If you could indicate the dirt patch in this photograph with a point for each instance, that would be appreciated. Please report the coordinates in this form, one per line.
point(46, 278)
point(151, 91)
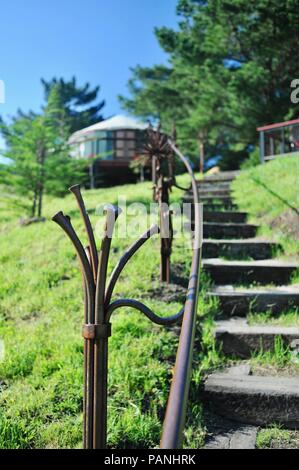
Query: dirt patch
point(290, 370)
point(168, 292)
point(175, 291)
point(288, 223)
point(180, 275)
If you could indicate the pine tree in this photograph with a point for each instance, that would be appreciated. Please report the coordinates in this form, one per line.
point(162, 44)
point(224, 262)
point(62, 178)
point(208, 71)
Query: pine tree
point(39, 154)
point(78, 102)
point(231, 63)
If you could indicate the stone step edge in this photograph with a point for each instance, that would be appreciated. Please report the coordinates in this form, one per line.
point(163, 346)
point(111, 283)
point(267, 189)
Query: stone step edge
point(242, 241)
point(239, 326)
point(222, 291)
point(238, 339)
point(268, 263)
point(228, 213)
point(214, 192)
point(234, 303)
point(254, 384)
point(230, 224)
point(252, 399)
point(208, 196)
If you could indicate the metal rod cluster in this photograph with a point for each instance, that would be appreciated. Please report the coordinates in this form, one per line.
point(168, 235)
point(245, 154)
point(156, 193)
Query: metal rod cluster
point(162, 162)
point(98, 308)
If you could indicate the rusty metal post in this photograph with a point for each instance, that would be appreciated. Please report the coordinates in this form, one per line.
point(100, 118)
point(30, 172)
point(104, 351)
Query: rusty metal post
point(89, 319)
point(103, 333)
point(175, 416)
point(166, 230)
point(98, 309)
point(162, 175)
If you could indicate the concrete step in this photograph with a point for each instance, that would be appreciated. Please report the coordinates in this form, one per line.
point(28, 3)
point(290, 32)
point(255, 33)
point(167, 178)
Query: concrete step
point(208, 198)
point(214, 185)
point(219, 207)
point(238, 339)
point(251, 399)
point(239, 302)
point(188, 207)
point(214, 192)
point(228, 230)
point(225, 217)
point(248, 272)
point(238, 249)
point(221, 176)
point(225, 434)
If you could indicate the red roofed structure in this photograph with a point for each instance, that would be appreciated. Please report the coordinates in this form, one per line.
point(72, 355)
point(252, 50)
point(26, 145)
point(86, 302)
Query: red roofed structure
point(278, 139)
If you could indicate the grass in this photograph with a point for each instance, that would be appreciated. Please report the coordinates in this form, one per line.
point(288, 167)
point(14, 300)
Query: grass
point(41, 317)
point(40, 323)
point(275, 437)
point(280, 356)
point(269, 193)
point(289, 317)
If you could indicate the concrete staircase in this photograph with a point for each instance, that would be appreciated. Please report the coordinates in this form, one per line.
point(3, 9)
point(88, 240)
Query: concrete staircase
point(256, 400)
point(241, 267)
point(238, 302)
point(238, 249)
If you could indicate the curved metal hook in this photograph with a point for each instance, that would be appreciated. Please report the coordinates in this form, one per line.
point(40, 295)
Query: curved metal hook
point(143, 309)
point(76, 190)
point(154, 229)
point(197, 241)
point(188, 168)
point(180, 187)
point(65, 223)
point(112, 213)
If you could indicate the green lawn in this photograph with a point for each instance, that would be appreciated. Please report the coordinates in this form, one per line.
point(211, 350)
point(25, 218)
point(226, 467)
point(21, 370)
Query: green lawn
point(41, 316)
point(269, 193)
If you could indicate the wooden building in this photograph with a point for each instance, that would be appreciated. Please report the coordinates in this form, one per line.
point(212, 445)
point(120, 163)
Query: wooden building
point(279, 139)
point(110, 145)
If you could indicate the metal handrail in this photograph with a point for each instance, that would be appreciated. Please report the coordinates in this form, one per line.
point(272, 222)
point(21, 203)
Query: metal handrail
point(174, 422)
point(98, 308)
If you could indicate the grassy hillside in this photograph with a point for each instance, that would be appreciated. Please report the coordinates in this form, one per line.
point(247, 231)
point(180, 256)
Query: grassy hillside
point(269, 193)
point(40, 322)
point(41, 316)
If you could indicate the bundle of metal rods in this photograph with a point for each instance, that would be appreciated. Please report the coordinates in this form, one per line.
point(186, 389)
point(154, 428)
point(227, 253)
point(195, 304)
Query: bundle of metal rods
point(98, 308)
point(162, 163)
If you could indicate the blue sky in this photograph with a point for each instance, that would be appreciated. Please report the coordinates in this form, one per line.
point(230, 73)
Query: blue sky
point(95, 40)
